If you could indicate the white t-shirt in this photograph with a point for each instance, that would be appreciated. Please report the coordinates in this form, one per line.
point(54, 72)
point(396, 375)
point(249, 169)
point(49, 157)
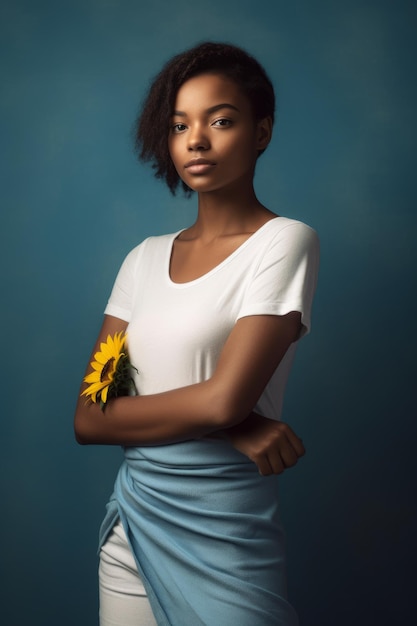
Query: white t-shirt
point(176, 331)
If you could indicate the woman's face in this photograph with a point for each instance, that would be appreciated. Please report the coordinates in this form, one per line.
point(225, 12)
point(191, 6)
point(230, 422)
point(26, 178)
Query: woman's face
point(214, 140)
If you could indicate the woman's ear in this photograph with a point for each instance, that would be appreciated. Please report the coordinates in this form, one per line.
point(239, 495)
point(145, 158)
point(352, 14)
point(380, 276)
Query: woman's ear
point(264, 133)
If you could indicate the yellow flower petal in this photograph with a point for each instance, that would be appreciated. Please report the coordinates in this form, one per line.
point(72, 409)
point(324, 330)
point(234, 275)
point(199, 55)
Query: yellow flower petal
point(104, 394)
point(93, 388)
point(104, 355)
point(93, 377)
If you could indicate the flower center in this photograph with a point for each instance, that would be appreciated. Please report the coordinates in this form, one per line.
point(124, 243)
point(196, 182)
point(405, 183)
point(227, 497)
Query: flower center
point(105, 369)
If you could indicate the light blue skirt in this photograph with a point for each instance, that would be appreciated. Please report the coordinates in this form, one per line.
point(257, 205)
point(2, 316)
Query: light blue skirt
point(205, 531)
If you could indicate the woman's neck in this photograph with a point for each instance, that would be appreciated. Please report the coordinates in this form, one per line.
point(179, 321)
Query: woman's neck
point(222, 214)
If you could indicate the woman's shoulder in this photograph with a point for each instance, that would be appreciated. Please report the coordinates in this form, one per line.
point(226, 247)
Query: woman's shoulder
point(290, 230)
point(152, 243)
point(281, 222)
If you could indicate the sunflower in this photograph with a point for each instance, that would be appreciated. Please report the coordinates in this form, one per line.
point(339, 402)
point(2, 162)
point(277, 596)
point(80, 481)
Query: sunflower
point(111, 375)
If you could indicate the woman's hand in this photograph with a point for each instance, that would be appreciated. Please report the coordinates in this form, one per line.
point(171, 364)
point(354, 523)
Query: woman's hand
point(272, 446)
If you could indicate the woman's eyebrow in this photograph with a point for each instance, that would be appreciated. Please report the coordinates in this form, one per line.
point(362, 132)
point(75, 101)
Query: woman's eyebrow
point(217, 107)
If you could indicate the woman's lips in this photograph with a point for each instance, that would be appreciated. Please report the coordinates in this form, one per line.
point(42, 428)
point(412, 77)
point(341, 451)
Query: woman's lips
point(199, 166)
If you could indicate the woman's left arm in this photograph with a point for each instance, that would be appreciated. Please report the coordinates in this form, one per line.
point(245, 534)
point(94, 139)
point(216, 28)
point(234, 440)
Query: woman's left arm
point(272, 445)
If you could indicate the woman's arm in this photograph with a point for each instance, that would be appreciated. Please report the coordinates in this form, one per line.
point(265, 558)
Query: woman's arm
point(250, 356)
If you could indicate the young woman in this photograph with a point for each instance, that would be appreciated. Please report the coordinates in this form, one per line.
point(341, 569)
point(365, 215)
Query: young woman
point(192, 534)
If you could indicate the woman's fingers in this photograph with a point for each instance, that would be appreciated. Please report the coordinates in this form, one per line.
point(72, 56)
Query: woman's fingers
point(264, 466)
point(276, 465)
point(272, 446)
point(294, 440)
point(283, 453)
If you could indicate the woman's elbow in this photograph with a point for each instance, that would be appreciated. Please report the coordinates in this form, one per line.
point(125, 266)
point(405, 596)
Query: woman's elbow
point(82, 431)
point(80, 435)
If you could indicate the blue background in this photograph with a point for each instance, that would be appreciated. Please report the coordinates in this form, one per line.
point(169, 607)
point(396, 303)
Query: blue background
point(74, 201)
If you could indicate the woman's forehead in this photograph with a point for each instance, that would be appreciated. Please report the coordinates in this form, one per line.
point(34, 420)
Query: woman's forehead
point(210, 90)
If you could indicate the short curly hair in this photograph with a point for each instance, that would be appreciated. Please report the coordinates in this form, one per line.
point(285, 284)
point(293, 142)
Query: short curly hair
point(151, 144)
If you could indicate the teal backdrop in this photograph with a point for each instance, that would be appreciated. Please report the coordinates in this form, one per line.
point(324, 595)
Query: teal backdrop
point(74, 201)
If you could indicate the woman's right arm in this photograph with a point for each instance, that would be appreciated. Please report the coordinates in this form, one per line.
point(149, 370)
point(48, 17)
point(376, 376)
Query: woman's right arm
point(141, 420)
point(251, 354)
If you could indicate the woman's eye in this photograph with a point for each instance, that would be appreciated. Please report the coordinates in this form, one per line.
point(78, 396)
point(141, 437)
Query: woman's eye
point(178, 128)
point(222, 122)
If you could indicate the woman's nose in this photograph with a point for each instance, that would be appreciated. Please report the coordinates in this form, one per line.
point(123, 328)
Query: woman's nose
point(198, 139)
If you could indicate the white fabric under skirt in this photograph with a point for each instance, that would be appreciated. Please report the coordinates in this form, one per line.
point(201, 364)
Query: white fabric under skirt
point(123, 598)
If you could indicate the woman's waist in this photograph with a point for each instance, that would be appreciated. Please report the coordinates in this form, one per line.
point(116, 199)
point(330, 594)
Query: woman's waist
point(194, 477)
point(195, 455)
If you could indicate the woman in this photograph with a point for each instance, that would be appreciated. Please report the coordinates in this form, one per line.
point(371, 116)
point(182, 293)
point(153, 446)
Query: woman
point(192, 534)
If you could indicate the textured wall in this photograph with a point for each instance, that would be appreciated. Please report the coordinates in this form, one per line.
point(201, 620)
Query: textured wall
point(74, 201)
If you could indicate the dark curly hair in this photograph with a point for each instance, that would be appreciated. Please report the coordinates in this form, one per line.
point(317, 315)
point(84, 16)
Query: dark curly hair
point(151, 144)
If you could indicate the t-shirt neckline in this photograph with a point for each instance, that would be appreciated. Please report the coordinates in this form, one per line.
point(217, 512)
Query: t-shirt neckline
point(217, 267)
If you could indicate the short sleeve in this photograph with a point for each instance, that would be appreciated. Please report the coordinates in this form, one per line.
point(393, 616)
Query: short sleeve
point(285, 277)
point(120, 302)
